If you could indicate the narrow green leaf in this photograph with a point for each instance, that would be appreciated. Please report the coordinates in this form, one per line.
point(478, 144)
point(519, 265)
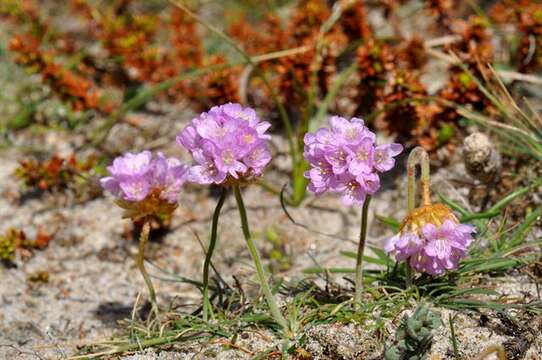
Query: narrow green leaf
point(453, 205)
point(392, 223)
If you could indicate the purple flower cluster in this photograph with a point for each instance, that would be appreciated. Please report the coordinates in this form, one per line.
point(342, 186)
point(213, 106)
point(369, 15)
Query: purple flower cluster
point(227, 143)
point(133, 177)
point(345, 159)
point(432, 249)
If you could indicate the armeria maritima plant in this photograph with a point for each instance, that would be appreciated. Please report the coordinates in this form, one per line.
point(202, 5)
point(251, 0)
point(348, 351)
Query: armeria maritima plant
point(431, 239)
point(346, 160)
point(229, 146)
point(145, 185)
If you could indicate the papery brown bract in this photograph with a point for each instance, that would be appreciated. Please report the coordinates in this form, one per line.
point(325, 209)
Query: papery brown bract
point(152, 205)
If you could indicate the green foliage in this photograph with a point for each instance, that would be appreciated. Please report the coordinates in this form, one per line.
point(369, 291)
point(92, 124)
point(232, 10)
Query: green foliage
point(413, 337)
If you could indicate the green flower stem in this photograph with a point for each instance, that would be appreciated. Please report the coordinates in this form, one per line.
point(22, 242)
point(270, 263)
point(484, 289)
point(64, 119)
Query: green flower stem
point(275, 312)
point(409, 276)
point(417, 155)
point(299, 181)
point(207, 309)
point(361, 248)
point(140, 262)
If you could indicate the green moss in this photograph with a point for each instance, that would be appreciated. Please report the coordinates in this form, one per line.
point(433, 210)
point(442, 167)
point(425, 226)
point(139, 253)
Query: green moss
point(7, 248)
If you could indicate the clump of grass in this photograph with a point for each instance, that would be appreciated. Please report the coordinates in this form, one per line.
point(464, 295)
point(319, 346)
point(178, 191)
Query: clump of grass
point(517, 126)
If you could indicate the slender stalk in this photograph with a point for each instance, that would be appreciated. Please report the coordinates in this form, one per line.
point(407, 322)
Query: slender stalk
point(140, 262)
point(299, 181)
point(275, 312)
point(417, 155)
point(207, 309)
point(454, 339)
point(409, 276)
point(361, 248)
point(411, 185)
point(426, 198)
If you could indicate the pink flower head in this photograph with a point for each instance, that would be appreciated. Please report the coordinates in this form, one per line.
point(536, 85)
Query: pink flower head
point(228, 143)
point(134, 177)
point(345, 159)
point(431, 240)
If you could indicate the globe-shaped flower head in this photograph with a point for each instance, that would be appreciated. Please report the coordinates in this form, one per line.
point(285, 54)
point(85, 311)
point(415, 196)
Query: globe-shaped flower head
point(345, 159)
point(145, 184)
point(228, 145)
point(431, 239)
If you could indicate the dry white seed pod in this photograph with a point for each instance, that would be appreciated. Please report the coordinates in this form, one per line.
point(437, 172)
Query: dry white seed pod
point(482, 160)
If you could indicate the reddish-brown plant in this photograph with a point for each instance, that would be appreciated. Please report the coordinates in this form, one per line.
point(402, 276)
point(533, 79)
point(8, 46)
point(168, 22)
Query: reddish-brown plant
point(16, 241)
point(354, 23)
point(67, 85)
point(442, 10)
point(402, 96)
point(474, 50)
point(53, 174)
point(526, 17)
point(376, 60)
